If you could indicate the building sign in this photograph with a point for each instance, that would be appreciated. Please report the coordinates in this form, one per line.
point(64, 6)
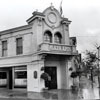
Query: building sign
point(60, 48)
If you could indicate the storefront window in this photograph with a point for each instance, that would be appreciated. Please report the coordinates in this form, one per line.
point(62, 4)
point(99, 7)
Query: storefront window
point(3, 75)
point(21, 74)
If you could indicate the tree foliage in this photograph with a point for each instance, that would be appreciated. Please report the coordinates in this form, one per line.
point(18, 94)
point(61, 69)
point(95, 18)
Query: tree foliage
point(91, 57)
point(90, 61)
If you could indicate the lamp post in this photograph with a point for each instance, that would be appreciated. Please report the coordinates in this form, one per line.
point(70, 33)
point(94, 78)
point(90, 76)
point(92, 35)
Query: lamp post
point(91, 69)
point(98, 48)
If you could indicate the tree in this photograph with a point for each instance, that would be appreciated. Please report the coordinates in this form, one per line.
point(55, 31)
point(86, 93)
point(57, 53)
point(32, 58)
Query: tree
point(90, 59)
point(90, 63)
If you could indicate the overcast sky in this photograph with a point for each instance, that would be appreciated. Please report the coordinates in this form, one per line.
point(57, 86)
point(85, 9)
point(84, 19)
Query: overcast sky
point(84, 14)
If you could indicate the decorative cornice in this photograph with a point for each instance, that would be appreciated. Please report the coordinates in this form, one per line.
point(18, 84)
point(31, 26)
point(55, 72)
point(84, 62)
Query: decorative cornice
point(21, 28)
point(16, 56)
point(35, 15)
point(65, 21)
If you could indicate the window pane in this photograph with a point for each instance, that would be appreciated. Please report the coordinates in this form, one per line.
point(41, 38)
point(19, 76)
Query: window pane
point(3, 75)
point(57, 39)
point(48, 37)
point(19, 41)
point(21, 74)
point(19, 50)
point(4, 48)
point(19, 46)
point(4, 44)
point(4, 53)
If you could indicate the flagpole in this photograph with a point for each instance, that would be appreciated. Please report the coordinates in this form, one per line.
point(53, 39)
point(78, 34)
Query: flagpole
point(61, 11)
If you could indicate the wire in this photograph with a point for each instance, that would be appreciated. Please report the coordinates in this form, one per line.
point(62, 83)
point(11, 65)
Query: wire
point(86, 36)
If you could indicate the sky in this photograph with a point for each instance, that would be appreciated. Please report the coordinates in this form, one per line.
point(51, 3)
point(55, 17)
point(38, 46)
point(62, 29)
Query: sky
point(84, 14)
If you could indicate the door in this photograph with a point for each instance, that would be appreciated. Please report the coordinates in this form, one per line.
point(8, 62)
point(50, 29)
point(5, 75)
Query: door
point(52, 72)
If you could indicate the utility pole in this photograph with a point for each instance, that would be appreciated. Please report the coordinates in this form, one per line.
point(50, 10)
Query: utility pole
point(98, 48)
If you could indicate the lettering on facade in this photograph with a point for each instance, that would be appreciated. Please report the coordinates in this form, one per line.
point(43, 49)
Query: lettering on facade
point(60, 48)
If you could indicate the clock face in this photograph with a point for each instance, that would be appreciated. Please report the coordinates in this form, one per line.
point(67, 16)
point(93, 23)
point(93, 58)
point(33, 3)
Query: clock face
point(52, 18)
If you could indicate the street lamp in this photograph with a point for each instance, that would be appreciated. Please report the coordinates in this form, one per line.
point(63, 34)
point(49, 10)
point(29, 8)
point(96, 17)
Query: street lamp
point(98, 48)
point(91, 69)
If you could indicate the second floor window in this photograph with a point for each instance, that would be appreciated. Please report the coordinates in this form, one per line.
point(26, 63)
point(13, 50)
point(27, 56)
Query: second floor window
point(48, 37)
point(58, 38)
point(19, 46)
point(4, 48)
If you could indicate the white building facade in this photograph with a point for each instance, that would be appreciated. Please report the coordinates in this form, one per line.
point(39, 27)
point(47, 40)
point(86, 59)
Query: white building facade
point(42, 46)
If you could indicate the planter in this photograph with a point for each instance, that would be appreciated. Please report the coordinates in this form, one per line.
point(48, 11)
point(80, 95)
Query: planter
point(45, 76)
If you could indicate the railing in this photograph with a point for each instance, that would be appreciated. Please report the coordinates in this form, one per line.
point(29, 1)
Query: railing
point(58, 48)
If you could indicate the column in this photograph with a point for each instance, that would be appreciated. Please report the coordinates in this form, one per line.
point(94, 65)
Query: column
point(68, 73)
point(34, 82)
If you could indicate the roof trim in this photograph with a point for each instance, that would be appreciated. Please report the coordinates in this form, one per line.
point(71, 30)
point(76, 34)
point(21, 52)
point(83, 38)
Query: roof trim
point(16, 29)
point(35, 15)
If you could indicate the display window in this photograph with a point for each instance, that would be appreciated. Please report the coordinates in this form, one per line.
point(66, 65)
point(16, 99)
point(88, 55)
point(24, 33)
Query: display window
point(20, 77)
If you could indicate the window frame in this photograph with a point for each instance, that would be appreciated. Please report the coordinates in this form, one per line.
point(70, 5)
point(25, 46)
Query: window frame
point(58, 38)
point(20, 74)
point(19, 46)
point(48, 37)
point(3, 75)
point(4, 48)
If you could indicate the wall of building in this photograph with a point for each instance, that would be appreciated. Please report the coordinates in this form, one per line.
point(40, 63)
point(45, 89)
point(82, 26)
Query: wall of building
point(11, 58)
point(63, 29)
point(63, 80)
point(11, 42)
point(41, 25)
point(35, 84)
point(54, 61)
point(34, 36)
point(13, 61)
point(66, 34)
point(69, 64)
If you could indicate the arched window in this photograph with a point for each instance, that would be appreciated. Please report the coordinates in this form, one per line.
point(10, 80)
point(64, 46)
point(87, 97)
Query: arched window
point(57, 37)
point(48, 36)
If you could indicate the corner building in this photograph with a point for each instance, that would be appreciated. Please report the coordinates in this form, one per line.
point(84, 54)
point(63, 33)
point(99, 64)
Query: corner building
point(42, 46)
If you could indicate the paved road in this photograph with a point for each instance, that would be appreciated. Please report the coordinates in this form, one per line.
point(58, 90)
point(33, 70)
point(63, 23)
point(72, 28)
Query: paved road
point(86, 92)
point(14, 99)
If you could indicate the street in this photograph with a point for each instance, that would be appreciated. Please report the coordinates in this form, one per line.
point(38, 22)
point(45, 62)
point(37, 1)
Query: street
point(85, 92)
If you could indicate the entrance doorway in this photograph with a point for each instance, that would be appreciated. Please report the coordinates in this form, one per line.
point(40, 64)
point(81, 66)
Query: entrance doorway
point(52, 72)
